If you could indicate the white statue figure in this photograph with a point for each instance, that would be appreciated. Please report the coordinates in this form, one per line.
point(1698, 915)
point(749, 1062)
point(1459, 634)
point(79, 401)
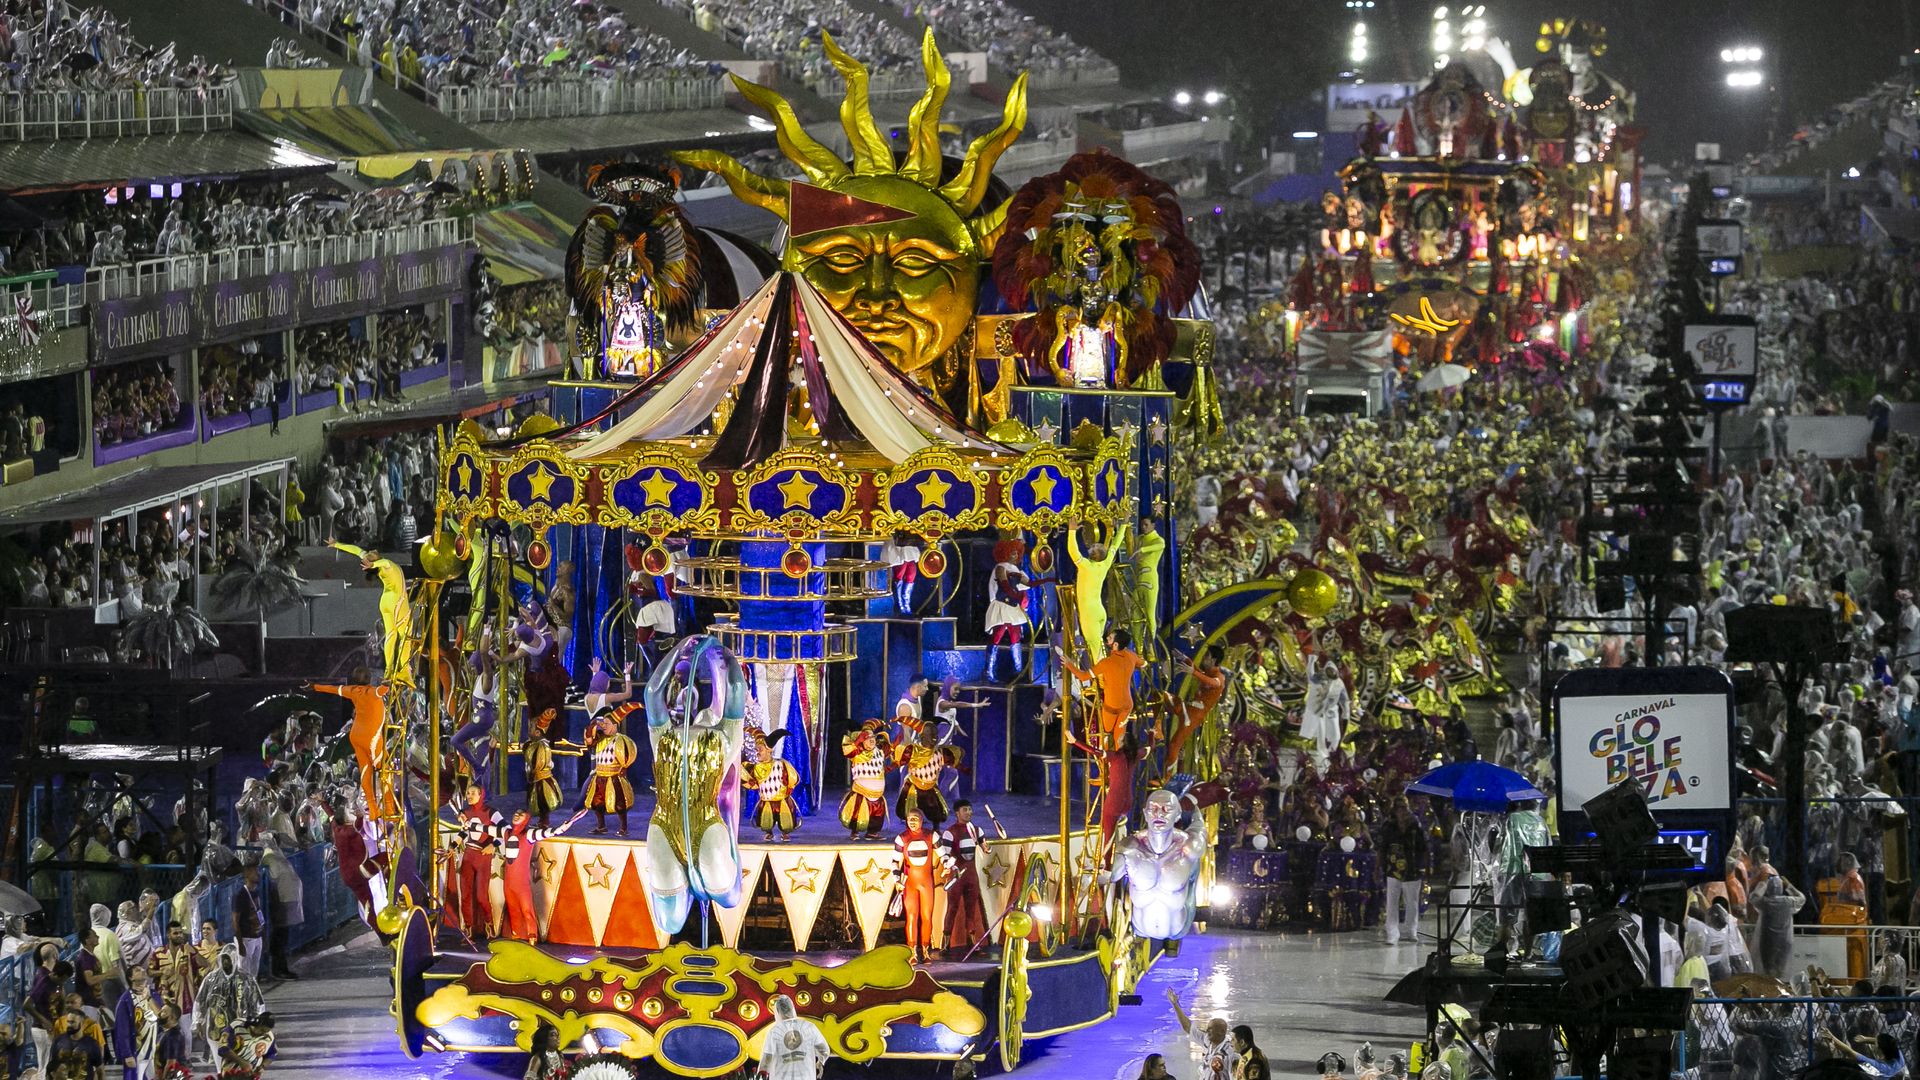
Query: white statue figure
point(1327, 710)
point(696, 711)
point(1161, 865)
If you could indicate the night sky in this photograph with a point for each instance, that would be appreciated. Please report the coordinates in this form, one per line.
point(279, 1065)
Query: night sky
point(1272, 52)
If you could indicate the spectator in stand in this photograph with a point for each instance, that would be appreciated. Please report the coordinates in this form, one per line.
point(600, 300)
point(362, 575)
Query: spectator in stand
point(249, 927)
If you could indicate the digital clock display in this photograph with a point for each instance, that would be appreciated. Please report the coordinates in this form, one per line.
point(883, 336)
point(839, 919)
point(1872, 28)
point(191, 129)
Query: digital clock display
point(1723, 267)
point(1702, 844)
point(1724, 392)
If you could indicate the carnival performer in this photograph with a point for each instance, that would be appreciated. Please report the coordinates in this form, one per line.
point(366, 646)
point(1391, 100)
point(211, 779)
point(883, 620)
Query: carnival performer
point(913, 870)
point(1112, 674)
point(946, 710)
point(966, 921)
point(696, 706)
point(864, 810)
point(480, 829)
point(178, 969)
point(792, 1048)
point(517, 849)
point(906, 711)
point(1007, 607)
point(1091, 567)
point(1403, 856)
point(136, 1025)
point(653, 620)
point(923, 761)
point(902, 556)
point(545, 683)
point(1117, 763)
point(227, 999)
point(1149, 551)
point(350, 851)
point(366, 734)
point(610, 792)
point(543, 791)
point(1161, 862)
point(396, 614)
point(1210, 681)
point(485, 707)
point(773, 779)
point(1327, 711)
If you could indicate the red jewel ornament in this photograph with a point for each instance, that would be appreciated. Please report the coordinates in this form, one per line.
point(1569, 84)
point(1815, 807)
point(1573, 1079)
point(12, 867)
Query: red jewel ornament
point(656, 561)
point(539, 555)
point(796, 562)
point(461, 547)
point(933, 563)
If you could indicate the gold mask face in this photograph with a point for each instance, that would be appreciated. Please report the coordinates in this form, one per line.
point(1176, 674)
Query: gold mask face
point(908, 286)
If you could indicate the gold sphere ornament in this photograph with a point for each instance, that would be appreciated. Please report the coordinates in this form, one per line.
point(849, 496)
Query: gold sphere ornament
point(390, 920)
point(1018, 924)
point(440, 558)
point(1312, 593)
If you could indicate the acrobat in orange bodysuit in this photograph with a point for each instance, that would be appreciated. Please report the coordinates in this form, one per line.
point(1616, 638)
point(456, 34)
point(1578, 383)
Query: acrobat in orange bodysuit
point(1113, 673)
point(913, 859)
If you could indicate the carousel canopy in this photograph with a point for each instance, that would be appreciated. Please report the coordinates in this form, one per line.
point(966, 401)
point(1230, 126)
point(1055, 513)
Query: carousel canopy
point(785, 336)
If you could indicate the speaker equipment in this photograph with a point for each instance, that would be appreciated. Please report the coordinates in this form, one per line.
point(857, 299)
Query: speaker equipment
point(1620, 819)
point(1603, 959)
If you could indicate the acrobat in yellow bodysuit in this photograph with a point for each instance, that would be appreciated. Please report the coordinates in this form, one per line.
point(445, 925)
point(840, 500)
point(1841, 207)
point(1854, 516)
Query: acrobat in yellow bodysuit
point(1090, 583)
point(396, 614)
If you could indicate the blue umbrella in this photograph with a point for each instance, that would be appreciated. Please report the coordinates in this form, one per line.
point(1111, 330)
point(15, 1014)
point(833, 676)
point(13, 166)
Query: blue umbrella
point(1477, 786)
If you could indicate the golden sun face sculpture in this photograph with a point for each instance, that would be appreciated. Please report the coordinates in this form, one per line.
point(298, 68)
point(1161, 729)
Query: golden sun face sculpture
point(889, 243)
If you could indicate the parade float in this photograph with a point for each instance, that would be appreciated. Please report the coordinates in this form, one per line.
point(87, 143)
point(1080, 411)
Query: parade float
point(1456, 239)
point(938, 382)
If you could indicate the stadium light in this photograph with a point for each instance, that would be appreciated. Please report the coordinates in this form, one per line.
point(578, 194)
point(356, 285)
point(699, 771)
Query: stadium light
point(1213, 97)
point(1182, 97)
point(1744, 80)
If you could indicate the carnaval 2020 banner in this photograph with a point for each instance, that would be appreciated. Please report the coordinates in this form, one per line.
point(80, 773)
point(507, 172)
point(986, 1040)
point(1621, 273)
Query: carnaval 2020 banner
point(168, 322)
point(1675, 746)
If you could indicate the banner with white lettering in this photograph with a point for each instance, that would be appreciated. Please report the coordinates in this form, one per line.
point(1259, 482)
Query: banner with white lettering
point(1676, 745)
point(137, 326)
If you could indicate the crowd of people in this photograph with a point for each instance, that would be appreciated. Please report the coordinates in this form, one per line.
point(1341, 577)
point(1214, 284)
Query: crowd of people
point(134, 400)
point(501, 42)
point(57, 45)
point(343, 359)
point(789, 31)
point(377, 493)
point(1013, 40)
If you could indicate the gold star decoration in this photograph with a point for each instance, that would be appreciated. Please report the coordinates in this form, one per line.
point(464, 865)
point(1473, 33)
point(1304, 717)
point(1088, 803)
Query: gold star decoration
point(803, 878)
point(540, 482)
point(599, 872)
point(1159, 506)
point(658, 488)
point(797, 491)
point(1126, 432)
point(1046, 431)
point(1042, 481)
point(994, 867)
point(549, 865)
point(469, 476)
point(873, 877)
point(1193, 634)
point(1157, 430)
point(933, 491)
point(1158, 470)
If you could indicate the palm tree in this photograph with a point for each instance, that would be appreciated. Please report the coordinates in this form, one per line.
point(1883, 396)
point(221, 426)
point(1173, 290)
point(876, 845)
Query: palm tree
point(253, 582)
point(162, 634)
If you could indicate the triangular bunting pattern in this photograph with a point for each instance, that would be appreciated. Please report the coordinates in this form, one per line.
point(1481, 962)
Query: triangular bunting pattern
point(731, 919)
point(568, 924)
point(869, 873)
point(999, 870)
point(802, 875)
point(629, 924)
point(601, 867)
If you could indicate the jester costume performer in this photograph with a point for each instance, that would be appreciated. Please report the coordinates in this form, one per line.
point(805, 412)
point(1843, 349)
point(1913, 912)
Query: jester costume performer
point(773, 780)
point(864, 809)
point(543, 792)
point(396, 614)
point(923, 761)
point(610, 792)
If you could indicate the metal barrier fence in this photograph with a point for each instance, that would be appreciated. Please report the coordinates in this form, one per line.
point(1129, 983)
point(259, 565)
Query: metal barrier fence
point(31, 115)
point(288, 12)
point(1771, 1038)
point(1060, 78)
point(582, 97)
point(163, 273)
point(58, 305)
point(881, 85)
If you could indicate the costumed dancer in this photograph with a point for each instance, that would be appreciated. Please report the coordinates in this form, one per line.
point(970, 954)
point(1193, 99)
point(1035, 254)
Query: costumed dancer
point(913, 870)
point(922, 763)
point(1113, 674)
point(1117, 764)
point(959, 850)
point(600, 692)
point(696, 703)
point(902, 556)
point(136, 1025)
point(177, 971)
point(1091, 567)
point(653, 621)
point(543, 791)
point(356, 869)
point(480, 830)
point(396, 614)
point(366, 734)
point(1007, 608)
point(864, 809)
point(546, 679)
point(1327, 710)
point(228, 999)
point(773, 779)
point(906, 711)
point(946, 709)
point(1149, 550)
point(610, 792)
point(517, 848)
point(485, 705)
point(1210, 681)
